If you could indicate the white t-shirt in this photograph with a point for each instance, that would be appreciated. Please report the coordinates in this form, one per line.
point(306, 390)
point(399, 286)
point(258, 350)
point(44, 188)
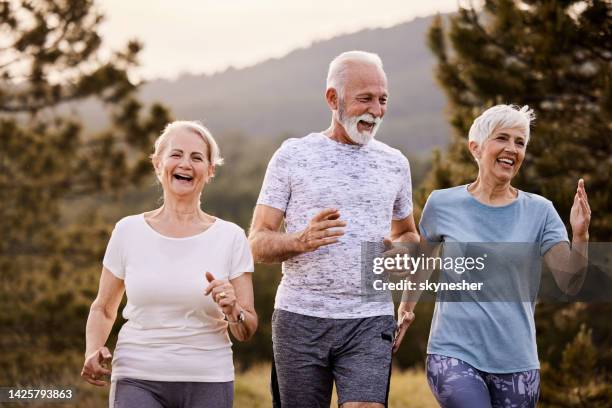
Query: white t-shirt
point(173, 331)
point(370, 185)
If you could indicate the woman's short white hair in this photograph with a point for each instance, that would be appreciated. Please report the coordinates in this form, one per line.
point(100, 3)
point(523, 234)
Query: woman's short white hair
point(214, 155)
point(336, 75)
point(500, 117)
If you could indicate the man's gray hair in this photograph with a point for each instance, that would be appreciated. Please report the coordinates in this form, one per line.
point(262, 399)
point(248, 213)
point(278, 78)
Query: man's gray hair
point(499, 117)
point(336, 75)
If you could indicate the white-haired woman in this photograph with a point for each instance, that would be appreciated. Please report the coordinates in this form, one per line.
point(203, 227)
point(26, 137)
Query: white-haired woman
point(484, 354)
point(184, 273)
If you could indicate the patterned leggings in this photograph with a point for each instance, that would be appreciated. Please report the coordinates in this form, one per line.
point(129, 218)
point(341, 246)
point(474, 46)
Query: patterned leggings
point(456, 384)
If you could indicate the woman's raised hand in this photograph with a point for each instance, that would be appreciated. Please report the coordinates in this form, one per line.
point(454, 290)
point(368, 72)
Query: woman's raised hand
point(222, 293)
point(580, 215)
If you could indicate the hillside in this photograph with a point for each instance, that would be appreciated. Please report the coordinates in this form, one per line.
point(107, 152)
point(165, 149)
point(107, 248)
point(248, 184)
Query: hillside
point(285, 96)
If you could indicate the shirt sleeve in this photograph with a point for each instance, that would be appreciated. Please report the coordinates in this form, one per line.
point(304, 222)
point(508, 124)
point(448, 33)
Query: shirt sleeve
point(114, 255)
point(242, 260)
point(276, 188)
point(402, 207)
point(554, 229)
point(428, 225)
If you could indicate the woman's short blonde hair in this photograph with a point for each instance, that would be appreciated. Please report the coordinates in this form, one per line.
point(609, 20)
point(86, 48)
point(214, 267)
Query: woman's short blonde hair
point(214, 155)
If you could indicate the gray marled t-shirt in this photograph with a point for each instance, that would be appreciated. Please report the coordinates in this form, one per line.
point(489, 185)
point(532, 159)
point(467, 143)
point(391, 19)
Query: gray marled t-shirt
point(370, 185)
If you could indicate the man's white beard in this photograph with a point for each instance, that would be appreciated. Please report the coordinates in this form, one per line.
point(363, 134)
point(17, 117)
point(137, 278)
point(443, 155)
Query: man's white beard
point(350, 126)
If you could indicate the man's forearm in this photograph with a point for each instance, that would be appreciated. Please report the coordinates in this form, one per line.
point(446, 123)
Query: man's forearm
point(409, 305)
point(408, 236)
point(411, 297)
point(274, 247)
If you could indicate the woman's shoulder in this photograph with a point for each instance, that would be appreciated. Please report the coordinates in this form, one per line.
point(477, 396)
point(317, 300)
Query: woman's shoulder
point(446, 195)
point(129, 223)
point(129, 220)
point(229, 227)
point(536, 201)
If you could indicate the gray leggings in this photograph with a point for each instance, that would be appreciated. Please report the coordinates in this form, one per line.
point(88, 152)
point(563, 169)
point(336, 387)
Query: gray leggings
point(131, 393)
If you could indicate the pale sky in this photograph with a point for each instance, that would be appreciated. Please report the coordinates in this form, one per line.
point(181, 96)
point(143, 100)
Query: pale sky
point(205, 36)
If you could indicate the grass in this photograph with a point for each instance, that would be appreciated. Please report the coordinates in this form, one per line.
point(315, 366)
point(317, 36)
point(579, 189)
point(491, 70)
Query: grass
point(252, 388)
point(408, 389)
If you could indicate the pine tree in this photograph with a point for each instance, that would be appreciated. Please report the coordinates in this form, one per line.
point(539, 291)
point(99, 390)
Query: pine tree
point(577, 383)
point(555, 56)
point(50, 57)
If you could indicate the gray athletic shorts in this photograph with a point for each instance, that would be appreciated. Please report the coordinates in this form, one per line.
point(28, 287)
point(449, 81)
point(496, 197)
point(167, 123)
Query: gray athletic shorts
point(131, 393)
point(310, 353)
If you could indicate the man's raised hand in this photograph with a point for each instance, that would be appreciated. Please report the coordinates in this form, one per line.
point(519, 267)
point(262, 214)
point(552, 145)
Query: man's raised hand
point(405, 317)
point(323, 229)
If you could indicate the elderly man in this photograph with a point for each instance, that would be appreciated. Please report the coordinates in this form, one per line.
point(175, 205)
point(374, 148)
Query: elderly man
point(335, 190)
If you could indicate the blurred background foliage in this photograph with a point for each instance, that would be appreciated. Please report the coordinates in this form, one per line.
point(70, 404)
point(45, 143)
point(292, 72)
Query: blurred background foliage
point(62, 188)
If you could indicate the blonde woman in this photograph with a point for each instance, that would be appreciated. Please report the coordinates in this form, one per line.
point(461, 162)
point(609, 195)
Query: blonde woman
point(186, 276)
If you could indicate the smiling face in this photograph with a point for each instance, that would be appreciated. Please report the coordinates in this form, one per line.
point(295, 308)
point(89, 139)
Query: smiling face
point(502, 154)
point(363, 103)
point(183, 166)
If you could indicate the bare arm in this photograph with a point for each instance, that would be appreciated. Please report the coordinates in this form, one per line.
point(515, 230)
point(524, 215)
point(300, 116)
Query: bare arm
point(243, 285)
point(569, 265)
point(404, 230)
point(102, 315)
point(269, 245)
point(405, 311)
point(233, 297)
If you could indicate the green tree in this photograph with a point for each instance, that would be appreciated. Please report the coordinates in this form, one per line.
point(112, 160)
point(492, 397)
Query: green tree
point(51, 58)
point(569, 386)
point(556, 56)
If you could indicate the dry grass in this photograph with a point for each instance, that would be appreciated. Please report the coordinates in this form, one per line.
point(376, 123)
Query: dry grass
point(252, 388)
point(408, 389)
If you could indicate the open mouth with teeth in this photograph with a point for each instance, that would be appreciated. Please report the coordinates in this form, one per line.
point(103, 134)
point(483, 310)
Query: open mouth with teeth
point(506, 162)
point(183, 178)
point(365, 125)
